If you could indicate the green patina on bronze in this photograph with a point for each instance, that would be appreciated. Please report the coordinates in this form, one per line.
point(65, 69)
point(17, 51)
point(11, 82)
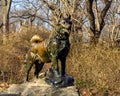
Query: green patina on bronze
point(57, 47)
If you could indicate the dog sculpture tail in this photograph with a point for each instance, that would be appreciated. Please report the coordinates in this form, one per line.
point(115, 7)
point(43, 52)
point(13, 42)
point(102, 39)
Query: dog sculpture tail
point(36, 39)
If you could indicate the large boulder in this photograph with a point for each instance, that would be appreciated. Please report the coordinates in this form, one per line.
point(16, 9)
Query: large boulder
point(39, 88)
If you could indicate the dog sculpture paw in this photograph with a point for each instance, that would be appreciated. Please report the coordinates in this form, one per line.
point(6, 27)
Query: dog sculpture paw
point(58, 81)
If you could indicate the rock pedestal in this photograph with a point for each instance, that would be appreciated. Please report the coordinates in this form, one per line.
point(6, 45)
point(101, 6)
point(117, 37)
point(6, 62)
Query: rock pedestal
point(39, 88)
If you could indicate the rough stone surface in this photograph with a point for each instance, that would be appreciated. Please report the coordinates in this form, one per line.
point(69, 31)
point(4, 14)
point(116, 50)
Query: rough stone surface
point(39, 88)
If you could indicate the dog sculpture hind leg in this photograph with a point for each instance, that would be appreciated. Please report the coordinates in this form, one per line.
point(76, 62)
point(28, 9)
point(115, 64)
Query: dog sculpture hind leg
point(32, 58)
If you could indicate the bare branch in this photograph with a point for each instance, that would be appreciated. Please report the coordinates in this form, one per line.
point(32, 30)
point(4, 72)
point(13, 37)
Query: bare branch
point(91, 16)
point(103, 14)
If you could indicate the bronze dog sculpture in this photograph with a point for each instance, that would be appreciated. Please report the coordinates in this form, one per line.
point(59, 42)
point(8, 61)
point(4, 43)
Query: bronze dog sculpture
point(50, 50)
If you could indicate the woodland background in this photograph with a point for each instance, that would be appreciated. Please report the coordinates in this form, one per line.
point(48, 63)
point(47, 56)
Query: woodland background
point(94, 58)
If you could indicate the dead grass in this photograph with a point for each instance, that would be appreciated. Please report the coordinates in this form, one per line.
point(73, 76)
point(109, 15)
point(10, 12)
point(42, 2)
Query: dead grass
point(95, 67)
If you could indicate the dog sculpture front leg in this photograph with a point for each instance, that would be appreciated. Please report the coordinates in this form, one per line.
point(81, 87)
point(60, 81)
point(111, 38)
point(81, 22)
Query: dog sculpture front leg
point(55, 66)
point(63, 66)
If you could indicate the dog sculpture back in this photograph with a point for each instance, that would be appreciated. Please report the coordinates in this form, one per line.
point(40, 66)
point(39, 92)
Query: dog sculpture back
point(50, 50)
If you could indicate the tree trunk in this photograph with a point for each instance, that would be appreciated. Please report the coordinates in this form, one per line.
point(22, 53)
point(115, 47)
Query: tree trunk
point(98, 23)
point(5, 18)
point(91, 18)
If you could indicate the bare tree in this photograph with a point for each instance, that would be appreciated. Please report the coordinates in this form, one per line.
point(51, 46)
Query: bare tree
point(34, 12)
point(49, 11)
point(96, 18)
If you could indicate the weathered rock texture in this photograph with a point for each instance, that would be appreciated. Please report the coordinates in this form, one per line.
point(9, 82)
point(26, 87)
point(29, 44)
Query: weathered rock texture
point(39, 88)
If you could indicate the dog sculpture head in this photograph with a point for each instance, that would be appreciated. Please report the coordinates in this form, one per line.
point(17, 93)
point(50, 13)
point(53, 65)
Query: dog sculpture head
point(64, 25)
